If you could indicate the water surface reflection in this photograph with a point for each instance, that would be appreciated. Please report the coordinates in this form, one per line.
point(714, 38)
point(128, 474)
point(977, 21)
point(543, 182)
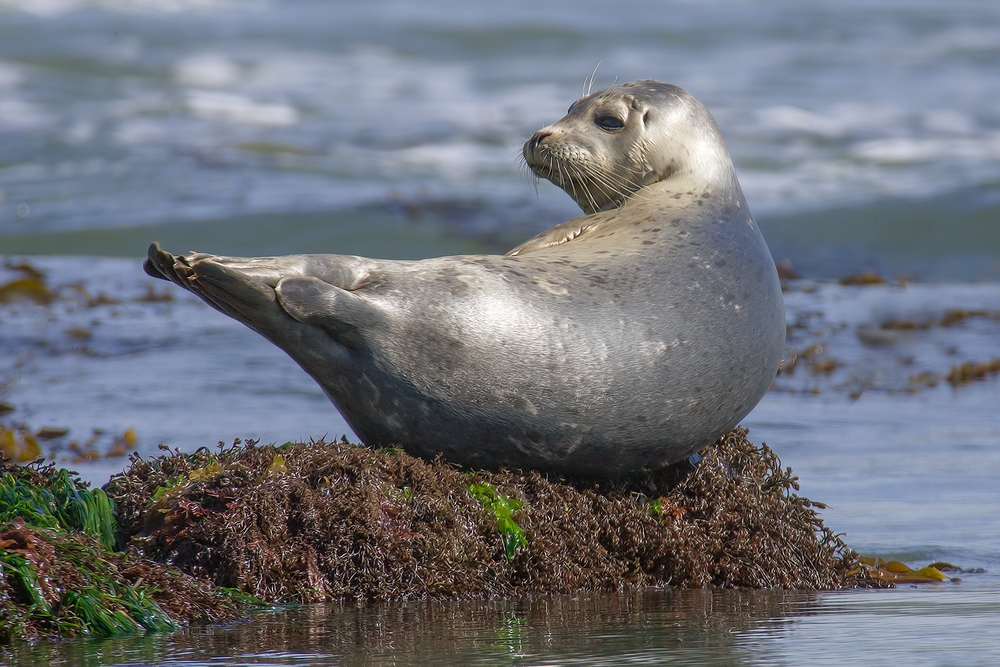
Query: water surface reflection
point(650, 627)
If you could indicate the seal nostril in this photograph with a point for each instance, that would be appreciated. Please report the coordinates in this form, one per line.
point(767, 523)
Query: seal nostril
point(538, 137)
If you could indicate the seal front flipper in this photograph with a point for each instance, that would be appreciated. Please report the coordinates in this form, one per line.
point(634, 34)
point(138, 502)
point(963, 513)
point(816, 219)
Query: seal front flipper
point(561, 233)
point(344, 314)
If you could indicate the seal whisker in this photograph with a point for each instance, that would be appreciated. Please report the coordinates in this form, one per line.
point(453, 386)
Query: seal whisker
point(589, 83)
point(614, 183)
point(611, 187)
point(528, 173)
point(591, 184)
point(585, 186)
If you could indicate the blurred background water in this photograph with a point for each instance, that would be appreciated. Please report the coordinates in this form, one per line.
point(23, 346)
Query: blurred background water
point(866, 136)
point(864, 133)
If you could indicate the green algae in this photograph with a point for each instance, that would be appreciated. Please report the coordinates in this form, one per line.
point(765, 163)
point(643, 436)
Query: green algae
point(60, 573)
point(53, 499)
point(503, 509)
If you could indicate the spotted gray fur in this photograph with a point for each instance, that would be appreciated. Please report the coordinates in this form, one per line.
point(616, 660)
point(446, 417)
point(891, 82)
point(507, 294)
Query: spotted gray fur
point(623, 340)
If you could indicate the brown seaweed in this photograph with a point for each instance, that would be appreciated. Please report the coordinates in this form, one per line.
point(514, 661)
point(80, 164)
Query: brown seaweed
point(337, 520)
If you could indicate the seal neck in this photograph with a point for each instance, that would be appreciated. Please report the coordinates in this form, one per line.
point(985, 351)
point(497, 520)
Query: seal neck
point(689, 188)
point(700, 165)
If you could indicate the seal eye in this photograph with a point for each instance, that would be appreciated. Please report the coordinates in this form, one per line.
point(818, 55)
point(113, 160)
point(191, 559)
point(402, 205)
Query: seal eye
point(609, 123)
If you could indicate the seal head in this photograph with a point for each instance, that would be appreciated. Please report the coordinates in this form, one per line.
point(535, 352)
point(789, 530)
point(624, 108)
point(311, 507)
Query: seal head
point(615, 142)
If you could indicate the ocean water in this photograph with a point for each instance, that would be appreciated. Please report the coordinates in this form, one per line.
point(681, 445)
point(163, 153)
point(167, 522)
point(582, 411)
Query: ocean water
point(866, 135)
point(856, 127)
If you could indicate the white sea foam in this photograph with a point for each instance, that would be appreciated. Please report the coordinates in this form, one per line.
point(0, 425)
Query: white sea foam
point(912, 150)
point(141, 132)
point(207, 70)
point(80, 132)
point(456, 162)
point(239, 109)
point(873, 305)
point(841, 121)
point(948, 121)
point(17, 115)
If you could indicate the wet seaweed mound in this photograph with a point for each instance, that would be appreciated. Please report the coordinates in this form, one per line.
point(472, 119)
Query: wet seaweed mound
point(309, 522)
point(60, 573)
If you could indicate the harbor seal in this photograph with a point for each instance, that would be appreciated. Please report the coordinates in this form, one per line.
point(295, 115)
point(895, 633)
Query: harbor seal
point(620, 341)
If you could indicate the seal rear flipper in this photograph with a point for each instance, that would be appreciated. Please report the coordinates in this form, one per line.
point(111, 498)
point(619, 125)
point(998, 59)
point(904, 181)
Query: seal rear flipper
point(243, 297)
point(181, 271)
point(152, 270)
point(342, 313)
point(250, 300)
point(161, 264)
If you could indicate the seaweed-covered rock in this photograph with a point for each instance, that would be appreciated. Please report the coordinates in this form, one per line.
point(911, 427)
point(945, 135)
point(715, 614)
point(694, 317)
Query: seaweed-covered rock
point(308, 522)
